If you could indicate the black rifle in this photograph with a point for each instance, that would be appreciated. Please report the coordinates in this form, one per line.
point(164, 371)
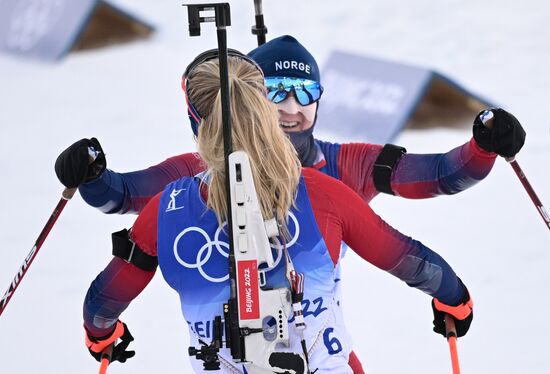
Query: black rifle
point(247, 327)
point(234, 338)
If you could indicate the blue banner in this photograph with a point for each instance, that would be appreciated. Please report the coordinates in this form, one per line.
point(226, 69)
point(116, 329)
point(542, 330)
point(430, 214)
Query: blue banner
point(44, 29)
point(371, 99)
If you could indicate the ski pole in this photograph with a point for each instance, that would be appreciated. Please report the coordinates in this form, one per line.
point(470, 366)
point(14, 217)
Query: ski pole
point(486, 117)
point(450, 332)
point(530, 191)
point(106, 356)
point(65, 196)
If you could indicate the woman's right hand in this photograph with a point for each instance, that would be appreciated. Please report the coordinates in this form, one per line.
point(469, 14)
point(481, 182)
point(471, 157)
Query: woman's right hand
point(120, 338)
point(462, 313)
point(81, 162)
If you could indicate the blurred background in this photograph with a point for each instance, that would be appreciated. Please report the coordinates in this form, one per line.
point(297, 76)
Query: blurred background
point(128, 96)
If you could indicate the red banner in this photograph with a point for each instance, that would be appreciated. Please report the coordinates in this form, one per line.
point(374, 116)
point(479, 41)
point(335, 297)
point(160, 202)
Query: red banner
point(247, 280)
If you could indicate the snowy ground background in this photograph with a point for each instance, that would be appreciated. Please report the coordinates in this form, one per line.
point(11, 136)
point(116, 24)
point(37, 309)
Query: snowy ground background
point(129, 97)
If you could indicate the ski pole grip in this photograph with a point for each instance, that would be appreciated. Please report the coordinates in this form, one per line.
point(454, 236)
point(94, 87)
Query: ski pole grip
point(486, 118)
point(450, 328)
point(68, 193)
point(107, 352)
point(106, 357)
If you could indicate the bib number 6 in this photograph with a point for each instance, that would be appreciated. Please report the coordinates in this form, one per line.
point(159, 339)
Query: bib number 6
point(333, 344)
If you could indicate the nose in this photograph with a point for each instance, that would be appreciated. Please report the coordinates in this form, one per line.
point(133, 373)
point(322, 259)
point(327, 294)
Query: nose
point(289, 105)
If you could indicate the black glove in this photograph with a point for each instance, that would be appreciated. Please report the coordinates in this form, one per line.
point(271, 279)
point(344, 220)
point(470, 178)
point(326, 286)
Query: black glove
point(97, 345)
point(76, 165)
point(506, 137)
point(462, 314)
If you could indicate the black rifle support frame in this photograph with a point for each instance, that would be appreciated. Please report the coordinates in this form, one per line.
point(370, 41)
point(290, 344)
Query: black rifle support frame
point(259, 29)
point(222, 17)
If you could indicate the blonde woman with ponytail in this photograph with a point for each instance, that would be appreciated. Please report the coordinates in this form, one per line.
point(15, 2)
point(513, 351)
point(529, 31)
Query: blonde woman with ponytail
point(255, 130)
point(183, 227)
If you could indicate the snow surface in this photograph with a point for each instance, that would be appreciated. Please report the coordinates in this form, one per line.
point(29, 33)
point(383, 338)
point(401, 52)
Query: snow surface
point(129, 97)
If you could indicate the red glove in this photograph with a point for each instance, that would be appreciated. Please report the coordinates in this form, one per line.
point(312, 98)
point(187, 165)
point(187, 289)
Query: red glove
point(97, 345)
point(462, 314)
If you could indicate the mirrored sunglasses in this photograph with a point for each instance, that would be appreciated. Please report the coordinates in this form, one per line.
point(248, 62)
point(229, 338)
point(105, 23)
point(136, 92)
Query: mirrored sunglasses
point(306, 91)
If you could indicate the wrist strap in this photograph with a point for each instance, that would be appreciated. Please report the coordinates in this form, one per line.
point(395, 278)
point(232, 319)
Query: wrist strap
point(460, 311)
point(98, 344)
point(384, 165)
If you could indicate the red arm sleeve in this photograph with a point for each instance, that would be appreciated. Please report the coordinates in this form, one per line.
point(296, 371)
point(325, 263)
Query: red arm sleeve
point(355, 166)
point(121, 282)
point(115, 192)
point(342, 215)
point(416, 176)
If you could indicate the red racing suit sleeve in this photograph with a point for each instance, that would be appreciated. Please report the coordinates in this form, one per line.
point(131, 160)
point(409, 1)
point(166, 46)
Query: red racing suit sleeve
point(343, 216)
point(124, 193)
point(416, 176)
point(121, 282)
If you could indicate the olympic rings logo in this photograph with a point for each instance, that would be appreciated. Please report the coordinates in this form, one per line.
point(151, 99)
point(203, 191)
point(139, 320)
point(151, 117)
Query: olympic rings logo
point(203, 259)
point(222, 247)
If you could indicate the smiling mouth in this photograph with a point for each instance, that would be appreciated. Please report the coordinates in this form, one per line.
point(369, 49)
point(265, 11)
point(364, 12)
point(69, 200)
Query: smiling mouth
point(289, 125)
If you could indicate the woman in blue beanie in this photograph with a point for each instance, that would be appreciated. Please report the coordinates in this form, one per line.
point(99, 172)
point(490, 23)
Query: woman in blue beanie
point(294, 84)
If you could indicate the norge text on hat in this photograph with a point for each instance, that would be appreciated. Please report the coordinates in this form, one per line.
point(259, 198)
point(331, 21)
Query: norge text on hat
point(286, 57)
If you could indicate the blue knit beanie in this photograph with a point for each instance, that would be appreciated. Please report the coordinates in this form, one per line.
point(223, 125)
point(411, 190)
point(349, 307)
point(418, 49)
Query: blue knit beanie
point(286, 57)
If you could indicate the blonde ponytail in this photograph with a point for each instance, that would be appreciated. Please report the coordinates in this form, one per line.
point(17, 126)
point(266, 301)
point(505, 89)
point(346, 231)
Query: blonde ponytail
point(255, 130)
